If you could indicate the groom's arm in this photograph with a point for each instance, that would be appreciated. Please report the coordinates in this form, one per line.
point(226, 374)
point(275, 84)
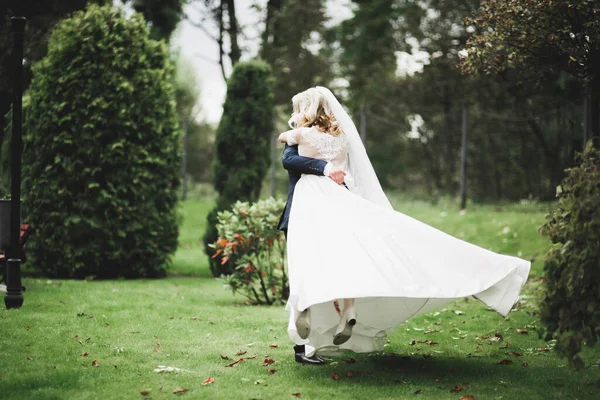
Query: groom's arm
point(303, 165)
point(292, 161)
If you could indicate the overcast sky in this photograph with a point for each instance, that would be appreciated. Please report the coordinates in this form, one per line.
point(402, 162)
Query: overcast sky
point(202, 51)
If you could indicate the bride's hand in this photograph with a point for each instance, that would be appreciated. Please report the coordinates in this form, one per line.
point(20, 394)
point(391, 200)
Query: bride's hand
point(283, 137)
point(337, 175)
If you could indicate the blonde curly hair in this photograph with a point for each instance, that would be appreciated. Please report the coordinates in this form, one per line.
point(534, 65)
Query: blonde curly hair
point(311, 109)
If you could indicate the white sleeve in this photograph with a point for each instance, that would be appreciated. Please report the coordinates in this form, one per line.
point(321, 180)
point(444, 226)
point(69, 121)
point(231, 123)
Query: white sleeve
point(291, 138)
point(327, 169)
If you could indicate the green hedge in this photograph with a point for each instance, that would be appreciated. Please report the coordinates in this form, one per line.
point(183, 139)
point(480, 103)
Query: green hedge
point(101, 153)
point(570, 308)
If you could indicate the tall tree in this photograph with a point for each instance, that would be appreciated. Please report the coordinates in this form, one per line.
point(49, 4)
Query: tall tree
point(292, 43)
point(241, 156)
point(544, 36)
point(163, 15)
point(220, 14)
point(367, 45)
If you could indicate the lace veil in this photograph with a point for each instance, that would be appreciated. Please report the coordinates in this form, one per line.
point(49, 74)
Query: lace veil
point(365, 183)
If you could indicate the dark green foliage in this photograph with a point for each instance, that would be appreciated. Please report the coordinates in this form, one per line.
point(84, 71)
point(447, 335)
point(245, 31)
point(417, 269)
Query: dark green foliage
point(291, 31)
point(570, 309)
point(248, 233)
point(541, 36)
point(101, 152)
point(41, 18)
point(242, 145)
point(164, 15)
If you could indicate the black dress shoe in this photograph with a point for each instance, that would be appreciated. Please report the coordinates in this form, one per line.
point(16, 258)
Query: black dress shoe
point(313, 360)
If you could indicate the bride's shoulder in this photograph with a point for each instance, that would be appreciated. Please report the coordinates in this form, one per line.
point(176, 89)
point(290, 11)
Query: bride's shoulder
point(294, 136)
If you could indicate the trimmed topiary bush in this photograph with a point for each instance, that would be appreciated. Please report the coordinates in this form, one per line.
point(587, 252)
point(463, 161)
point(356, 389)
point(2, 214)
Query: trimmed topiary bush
point(242, 147)
point(101, 153)
point(570, 308)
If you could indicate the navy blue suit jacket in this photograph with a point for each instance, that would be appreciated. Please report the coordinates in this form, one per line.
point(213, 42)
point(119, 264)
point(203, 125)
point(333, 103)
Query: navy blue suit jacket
point(296, 165)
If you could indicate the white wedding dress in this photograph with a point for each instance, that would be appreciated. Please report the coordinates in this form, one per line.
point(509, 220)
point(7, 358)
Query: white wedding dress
point(343, 245)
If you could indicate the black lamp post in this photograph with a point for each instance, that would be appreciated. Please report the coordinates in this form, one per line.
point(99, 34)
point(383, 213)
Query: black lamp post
point(14, 294)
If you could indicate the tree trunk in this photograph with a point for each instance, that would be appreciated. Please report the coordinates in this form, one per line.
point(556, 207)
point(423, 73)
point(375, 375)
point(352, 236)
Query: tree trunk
point(586, 115)
point(220, 40)
point(595, 110)
point(272, 7)
point(449, 141)
point(463, 159)
point(363, 124)
point(274, 164)
point(232, 30)
point(184, 158)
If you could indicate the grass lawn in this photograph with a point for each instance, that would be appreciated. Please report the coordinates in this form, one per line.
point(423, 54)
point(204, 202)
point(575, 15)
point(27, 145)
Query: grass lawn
point(104, 339)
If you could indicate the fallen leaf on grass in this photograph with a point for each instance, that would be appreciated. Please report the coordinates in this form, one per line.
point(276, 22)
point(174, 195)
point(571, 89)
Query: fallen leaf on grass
point(268, 361)
point(115, 365)
point(158, 344)
point(163, 368)
point(231, 364)
point(458, 312)
point(335, 376)
point(29, 358)
point(515, 354)
point(525, 364)
point(350, 361)
point(431, 342)
point(504, 362)
point(208, 381)
point(155, 350)
point(497, 337)
point(297, 394)
point(456, 389)
point(506, 346)
point(225, 357)
point(271, 371)
point(427, 355)
point(181, 390)
point(418, 391)
point(106, 324)
point(84, 354)
point(350, 374)
point(467, 397)
point(274, 345)
point(240, 353)
point(522, 330)
point(252, 357)
point(95, 363)
point(144, 393)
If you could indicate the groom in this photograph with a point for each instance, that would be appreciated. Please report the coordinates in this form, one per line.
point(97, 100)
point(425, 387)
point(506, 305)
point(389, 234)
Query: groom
point(297, 165)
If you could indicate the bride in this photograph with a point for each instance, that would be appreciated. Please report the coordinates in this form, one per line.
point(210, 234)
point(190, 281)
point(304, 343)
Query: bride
point(347, 242)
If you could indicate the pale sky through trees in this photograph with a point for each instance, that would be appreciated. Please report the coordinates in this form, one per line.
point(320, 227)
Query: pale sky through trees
point(203, 51)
